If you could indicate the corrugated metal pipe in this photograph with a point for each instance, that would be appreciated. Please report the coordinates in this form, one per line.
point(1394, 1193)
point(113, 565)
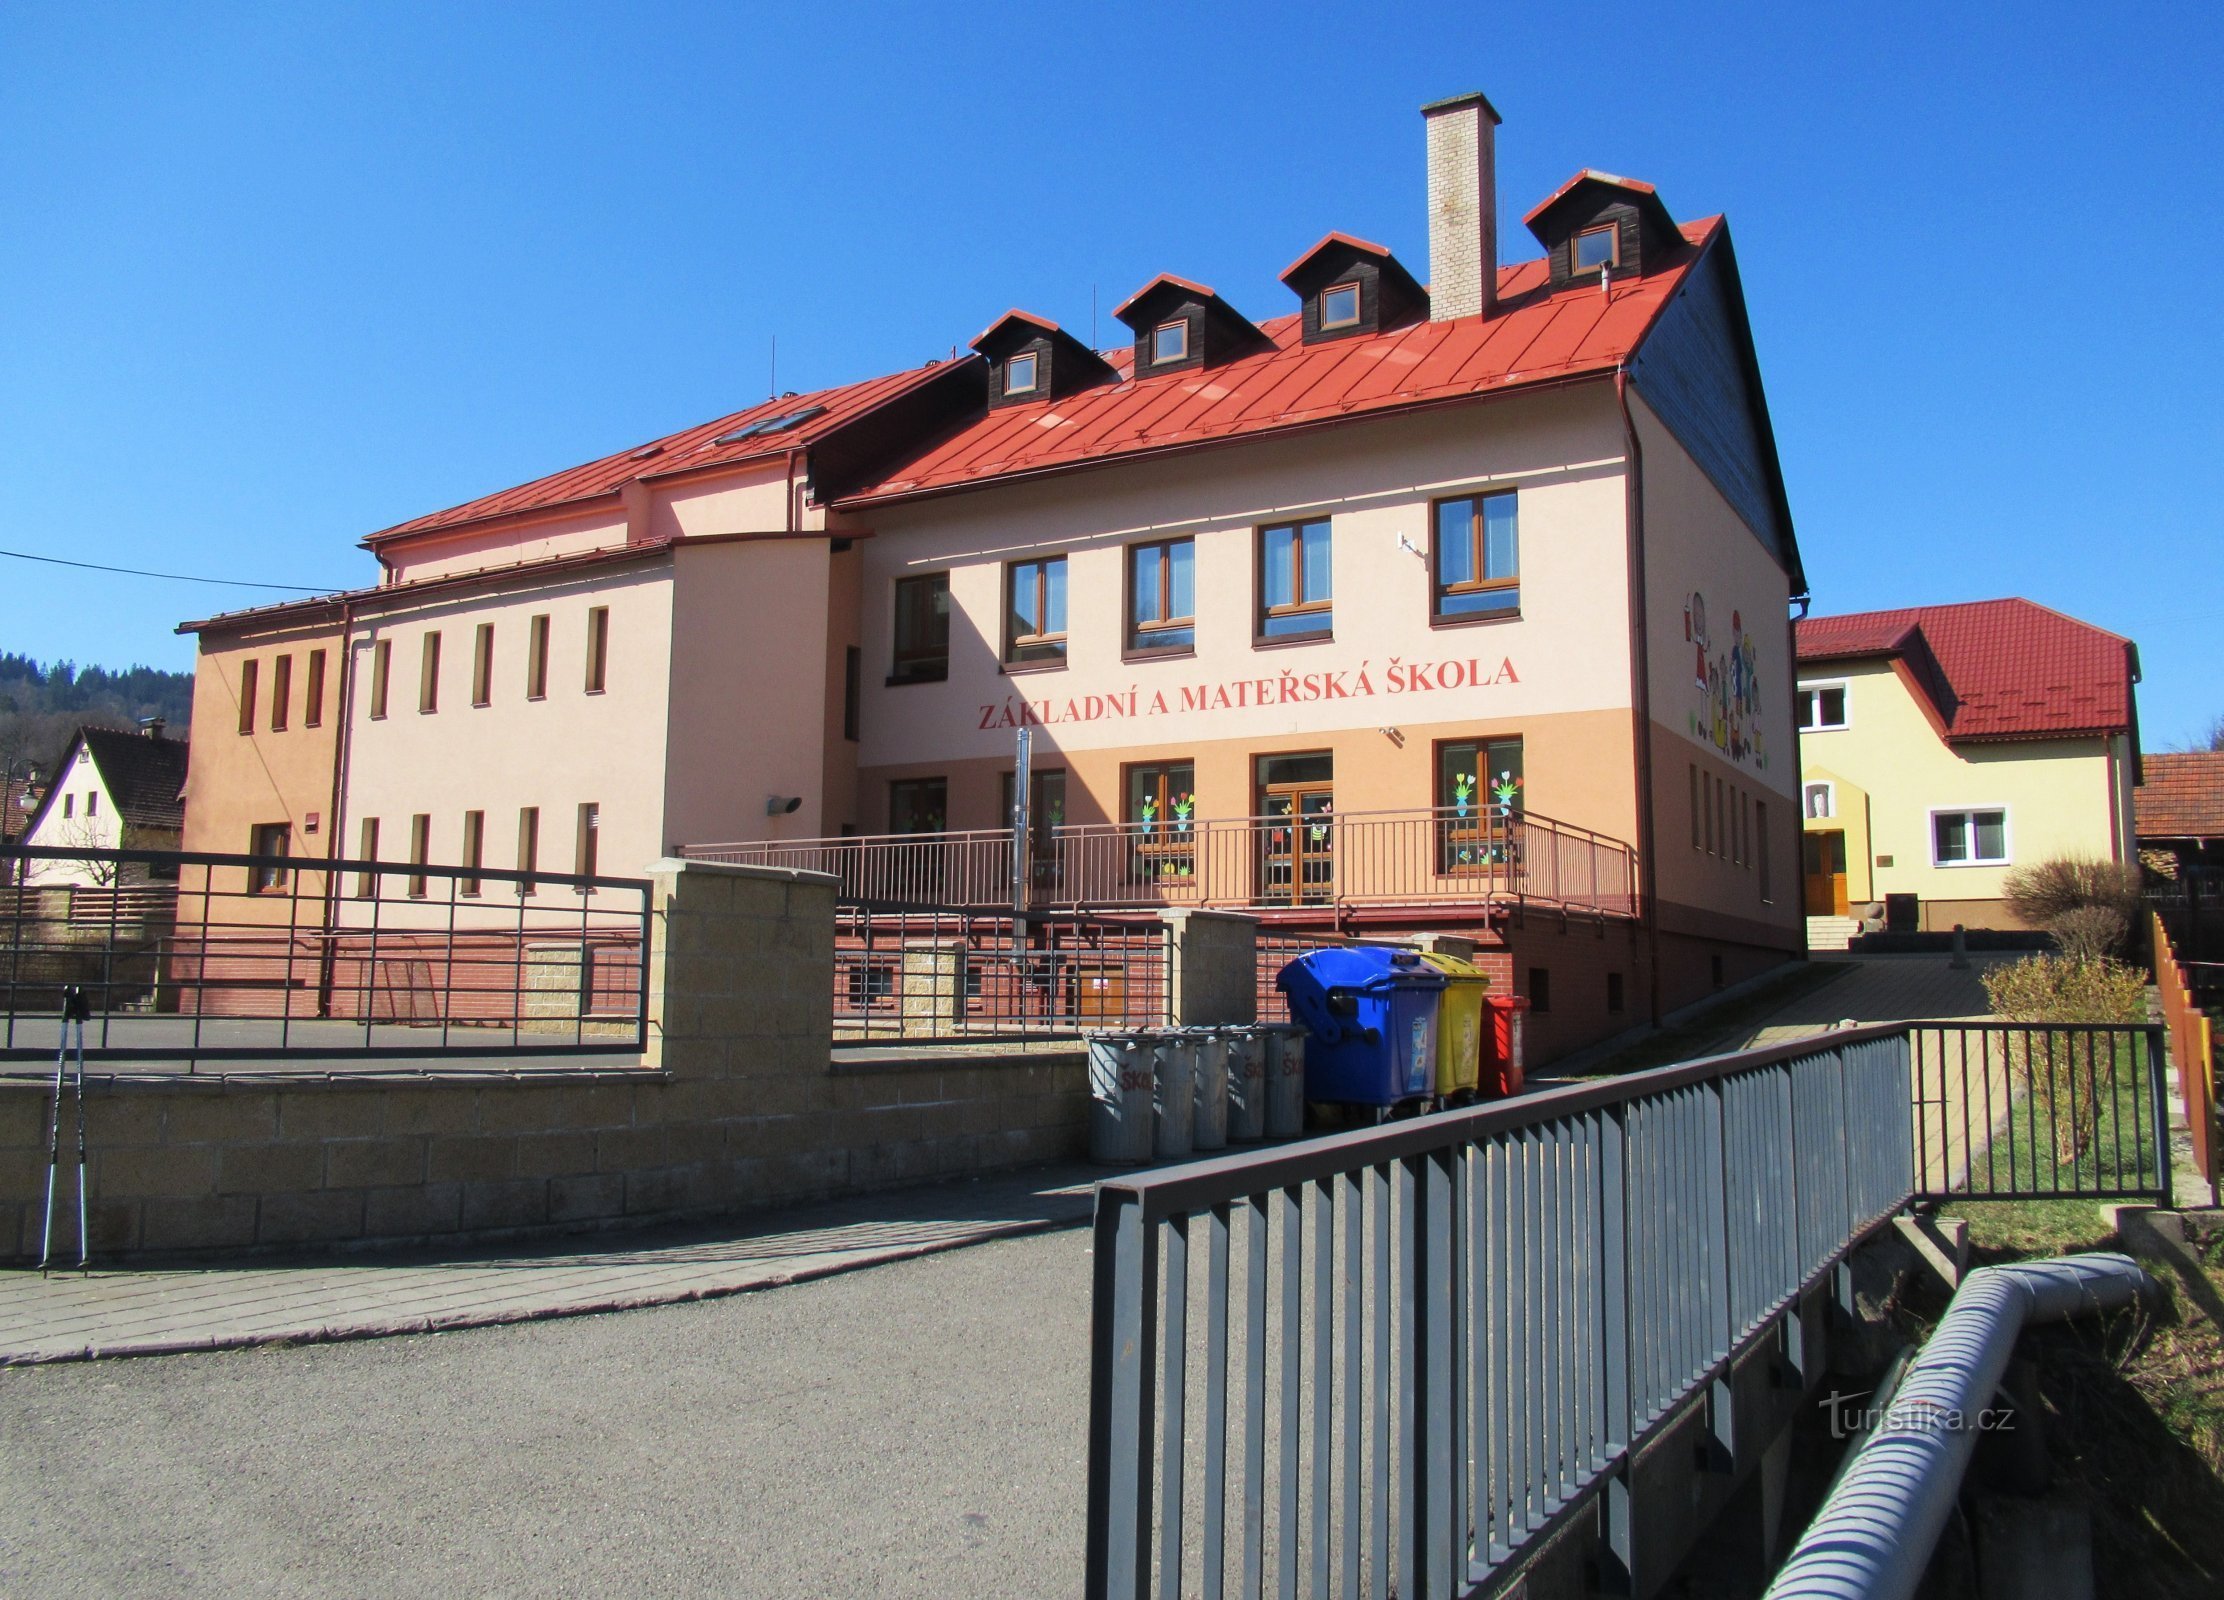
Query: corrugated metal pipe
point(1874, 1535)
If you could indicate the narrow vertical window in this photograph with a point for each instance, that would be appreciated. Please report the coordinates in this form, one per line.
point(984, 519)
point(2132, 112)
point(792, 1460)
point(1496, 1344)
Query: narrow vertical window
point(1697, 841)
point(1295, 582)
point(482, 665)
point(474, 844)
point(1162, 595)
point(1745, 827)
point(536, 659)
point(281, 692)
point(528, 845)
point(1760, 822)
point(271, 842)
point(312, 696)
point(598, 648)
point(428, 674)
point(366, 883)
point(1476, 551)
point(420, 845)
point(922, 651)
point(250, 685)
point(853, 676)
point(1035, 611)
point(587, 851)
point(382, 660)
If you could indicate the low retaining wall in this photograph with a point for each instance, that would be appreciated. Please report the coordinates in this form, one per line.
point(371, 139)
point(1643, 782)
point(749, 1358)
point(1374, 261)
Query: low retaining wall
point(736, 1105)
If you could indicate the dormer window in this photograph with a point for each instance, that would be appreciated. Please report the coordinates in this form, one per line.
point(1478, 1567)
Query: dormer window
point(1598, 247)
point(1019, 374)
point(1031, 358)
point(1340, 306)
point(1351, 289)
point(1170, 341)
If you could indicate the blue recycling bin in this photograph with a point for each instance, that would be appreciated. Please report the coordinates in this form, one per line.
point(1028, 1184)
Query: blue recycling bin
point(1370, 1013)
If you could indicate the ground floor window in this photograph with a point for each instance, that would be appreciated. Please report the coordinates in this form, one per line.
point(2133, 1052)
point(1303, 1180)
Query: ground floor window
point(1969, 838)
point(274, 841)
point(918, 805)
point(1478, 794)
point(1297, 847)
point(1047, 808)
point(1159, 806)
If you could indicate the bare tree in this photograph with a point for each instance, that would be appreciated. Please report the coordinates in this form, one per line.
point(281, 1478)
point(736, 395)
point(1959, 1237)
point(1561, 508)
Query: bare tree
point(83, 833)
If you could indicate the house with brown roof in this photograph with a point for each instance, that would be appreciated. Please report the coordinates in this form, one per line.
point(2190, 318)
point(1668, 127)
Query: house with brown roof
point(114, 790)
point(1400, 605)
point(2180, 806)
point(1942, 746)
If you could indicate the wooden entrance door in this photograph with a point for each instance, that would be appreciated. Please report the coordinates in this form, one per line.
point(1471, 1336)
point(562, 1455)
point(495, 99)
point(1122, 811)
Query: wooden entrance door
point(1297, 845)
point(1826, 874)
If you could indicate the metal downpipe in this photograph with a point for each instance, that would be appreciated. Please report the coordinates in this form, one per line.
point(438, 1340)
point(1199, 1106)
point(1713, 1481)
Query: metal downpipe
point(1873, 1537)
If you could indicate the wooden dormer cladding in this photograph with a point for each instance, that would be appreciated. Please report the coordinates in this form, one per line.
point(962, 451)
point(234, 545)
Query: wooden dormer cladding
point(1643, 235)
point(1050, 361)
point(1387, 295)
point(1212, 330)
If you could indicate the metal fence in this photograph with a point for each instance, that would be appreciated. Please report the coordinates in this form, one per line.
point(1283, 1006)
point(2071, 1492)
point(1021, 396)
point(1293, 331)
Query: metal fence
point(1422, 1348)
point(273, 958)
point(958, 974)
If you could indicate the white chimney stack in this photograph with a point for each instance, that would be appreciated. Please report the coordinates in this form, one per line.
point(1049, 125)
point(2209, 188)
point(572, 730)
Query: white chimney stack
point(1463, 206)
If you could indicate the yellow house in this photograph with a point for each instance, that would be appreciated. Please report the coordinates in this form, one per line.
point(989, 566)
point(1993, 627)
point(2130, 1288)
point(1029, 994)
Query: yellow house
point(1942, 746)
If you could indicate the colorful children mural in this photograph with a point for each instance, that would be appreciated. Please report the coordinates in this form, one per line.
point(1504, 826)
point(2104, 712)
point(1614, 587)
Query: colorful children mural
point(1727, 675)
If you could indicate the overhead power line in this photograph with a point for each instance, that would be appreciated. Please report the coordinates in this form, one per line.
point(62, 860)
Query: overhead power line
point(171, 577)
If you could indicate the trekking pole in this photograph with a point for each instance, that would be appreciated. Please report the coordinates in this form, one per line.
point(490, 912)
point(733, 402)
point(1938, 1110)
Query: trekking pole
point(75, 1010)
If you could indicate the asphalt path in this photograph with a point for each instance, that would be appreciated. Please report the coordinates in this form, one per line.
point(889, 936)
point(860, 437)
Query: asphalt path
point(913, 1429)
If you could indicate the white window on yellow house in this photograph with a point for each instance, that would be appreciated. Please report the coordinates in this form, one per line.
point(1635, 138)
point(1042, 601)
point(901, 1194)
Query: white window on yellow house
point(1822, 707)
point(1976, 838)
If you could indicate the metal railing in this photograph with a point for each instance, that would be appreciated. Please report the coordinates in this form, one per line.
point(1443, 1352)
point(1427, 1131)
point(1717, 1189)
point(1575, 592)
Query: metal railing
point(1331, 859)
point(1425, 1347)
point(923, 976)
point(277, 958)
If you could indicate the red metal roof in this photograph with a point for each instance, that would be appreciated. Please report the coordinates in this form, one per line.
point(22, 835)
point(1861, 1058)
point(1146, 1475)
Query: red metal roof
point(690, 450)
point(2181, 795)
point(1613, 180)
point(1532, 336)
point(1994, 669)
point(1363, 246)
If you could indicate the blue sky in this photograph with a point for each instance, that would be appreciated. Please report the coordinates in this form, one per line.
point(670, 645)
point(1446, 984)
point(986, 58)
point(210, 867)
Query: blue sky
point(272, 278)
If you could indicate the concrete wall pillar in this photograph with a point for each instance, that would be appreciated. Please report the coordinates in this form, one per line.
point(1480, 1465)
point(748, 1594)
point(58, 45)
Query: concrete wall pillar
point(1215, 966)
point(740, 959)
point(930, 988)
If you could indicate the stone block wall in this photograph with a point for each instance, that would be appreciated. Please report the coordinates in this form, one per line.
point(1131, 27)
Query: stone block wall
point(736, 1105)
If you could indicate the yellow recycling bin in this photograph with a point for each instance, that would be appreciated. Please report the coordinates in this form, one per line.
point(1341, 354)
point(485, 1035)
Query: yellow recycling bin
point(1459, 1025)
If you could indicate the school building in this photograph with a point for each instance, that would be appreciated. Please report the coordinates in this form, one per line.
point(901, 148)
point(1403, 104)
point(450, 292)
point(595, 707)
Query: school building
point(1451, 605)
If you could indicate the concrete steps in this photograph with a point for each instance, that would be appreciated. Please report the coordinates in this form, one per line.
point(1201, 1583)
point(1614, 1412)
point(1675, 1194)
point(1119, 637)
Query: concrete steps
point(1831, 933)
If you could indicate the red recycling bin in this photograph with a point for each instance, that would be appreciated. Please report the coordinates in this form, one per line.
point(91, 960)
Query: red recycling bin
point(1502, 1056)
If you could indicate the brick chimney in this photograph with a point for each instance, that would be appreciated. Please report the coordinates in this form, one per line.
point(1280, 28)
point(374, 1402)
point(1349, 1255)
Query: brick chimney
point(1463, 206)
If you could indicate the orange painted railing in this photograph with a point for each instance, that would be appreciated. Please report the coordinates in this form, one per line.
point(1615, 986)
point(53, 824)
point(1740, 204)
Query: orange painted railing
point(2193, 1045)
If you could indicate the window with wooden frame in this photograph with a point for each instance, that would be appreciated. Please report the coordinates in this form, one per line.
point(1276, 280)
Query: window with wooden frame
point(1478, 796)
point(382, 661)
point(1594, 248)
point(1159, 806)
point(482, 665)
point(250, 685)
point(1170, 341)
point(312, 697)
point(922, 653)
point(536, 658)
point(273, 841)
point(1035, 612)
point(1046, 790)
point(528, 846)
point(1296, 581)
point(1476, 552)
point(1020, 373)
point(366, 883)
point(281, 693)
point(428, 675)
point(918, 805)
point(598, 649)
point(1339, 306)
point(420, 851)
point(1162, 596)
point(474, 849)
point(586, 853)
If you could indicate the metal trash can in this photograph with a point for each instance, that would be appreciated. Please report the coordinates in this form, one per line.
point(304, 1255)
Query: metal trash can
point(1209, 1062)
point(1173, 1095)
point(1246, 1083)
point(1459, 1025)
point(1120, 1122)
point(1371, 1012)
point(1285, 1079)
